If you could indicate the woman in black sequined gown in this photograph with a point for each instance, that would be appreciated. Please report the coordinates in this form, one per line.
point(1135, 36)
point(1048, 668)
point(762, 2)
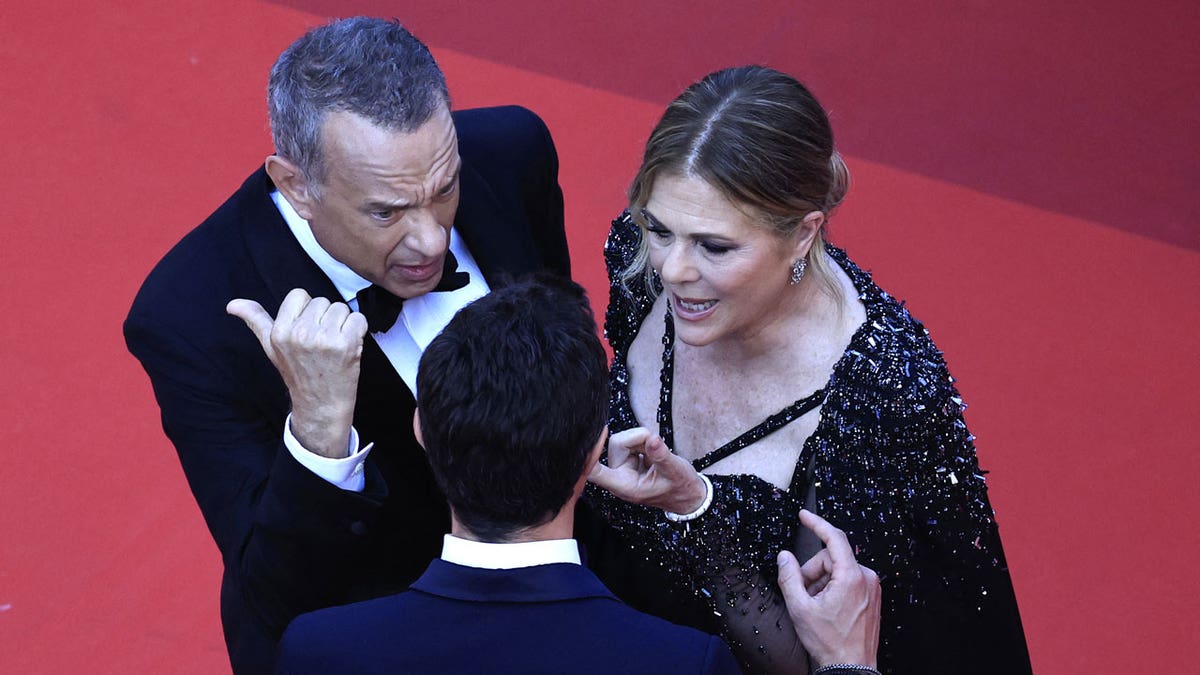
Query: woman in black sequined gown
point(772, 362)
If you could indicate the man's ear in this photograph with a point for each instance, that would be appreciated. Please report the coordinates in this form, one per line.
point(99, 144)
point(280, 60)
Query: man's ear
point(417, 428)
point(292, 184)
point(594, 457)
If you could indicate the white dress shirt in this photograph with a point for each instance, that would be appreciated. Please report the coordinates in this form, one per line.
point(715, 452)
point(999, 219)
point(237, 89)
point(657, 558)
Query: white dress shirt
point(420, 321)
point(508, 556)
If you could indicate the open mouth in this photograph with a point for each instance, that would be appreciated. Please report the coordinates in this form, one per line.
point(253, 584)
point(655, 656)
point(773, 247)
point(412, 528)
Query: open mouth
point(693, 309)
point(418, 273)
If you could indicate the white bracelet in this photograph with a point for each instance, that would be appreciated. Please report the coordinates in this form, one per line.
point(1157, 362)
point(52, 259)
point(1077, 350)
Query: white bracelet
point(855, 667)
point(708, 497)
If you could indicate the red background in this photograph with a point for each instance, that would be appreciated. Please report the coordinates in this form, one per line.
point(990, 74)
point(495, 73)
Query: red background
point(1023, 176)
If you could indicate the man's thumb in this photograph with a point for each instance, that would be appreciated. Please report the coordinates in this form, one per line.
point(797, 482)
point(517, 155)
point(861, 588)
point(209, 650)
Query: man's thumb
point(791, 582)
point(256, 318)
point(601, 475)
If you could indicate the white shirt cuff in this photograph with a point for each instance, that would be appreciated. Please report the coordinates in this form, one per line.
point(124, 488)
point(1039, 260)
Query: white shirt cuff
point(346, 473)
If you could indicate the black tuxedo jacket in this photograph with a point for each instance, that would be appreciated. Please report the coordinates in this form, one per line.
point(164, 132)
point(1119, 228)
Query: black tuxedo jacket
point(545, 619)
point(290, 541)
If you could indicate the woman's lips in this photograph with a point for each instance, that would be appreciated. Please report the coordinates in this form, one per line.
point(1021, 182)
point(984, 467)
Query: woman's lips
point(691, 309)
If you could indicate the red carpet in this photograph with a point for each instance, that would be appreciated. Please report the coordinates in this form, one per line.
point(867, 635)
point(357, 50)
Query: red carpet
point(1022, 176)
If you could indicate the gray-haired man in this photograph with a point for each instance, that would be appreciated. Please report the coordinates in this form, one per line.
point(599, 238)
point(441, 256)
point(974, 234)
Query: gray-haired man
point(376, 193)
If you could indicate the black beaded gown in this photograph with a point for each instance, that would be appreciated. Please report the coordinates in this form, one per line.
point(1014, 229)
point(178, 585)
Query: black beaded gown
point(891, 463)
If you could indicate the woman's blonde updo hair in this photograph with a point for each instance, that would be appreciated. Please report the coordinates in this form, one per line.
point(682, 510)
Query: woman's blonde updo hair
point(761, 139)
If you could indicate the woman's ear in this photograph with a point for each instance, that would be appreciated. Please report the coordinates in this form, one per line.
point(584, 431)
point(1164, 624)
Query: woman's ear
point(806, 233)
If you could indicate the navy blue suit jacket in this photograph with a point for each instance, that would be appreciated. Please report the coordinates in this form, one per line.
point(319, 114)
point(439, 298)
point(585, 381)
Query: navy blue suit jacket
point(290, 541)
point(545, 619)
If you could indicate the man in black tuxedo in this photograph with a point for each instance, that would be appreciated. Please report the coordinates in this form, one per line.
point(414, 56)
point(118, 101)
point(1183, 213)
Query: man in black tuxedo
point(513, 412)
point(309, 479)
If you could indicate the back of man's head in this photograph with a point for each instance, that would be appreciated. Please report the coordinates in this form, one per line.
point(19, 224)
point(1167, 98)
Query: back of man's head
point(513, 397)
point(370, 67)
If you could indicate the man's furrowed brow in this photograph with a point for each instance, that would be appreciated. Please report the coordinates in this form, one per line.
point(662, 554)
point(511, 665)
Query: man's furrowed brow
point(388, 205)
point(452, 179)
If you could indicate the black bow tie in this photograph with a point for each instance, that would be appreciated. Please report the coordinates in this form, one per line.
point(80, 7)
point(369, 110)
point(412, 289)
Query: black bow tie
point(382, 308)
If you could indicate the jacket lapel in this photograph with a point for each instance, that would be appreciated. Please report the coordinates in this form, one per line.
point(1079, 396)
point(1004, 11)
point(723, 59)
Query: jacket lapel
point(276, 254)
point(383, 398)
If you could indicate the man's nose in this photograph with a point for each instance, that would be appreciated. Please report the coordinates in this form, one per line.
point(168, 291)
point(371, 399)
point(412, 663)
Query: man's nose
point(425, 234)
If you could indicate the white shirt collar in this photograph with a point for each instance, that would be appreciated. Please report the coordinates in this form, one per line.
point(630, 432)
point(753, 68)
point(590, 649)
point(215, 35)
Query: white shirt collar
point(508, 556)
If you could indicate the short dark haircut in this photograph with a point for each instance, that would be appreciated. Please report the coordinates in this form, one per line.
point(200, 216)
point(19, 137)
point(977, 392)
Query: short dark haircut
point(370, 67)
point(513, 396)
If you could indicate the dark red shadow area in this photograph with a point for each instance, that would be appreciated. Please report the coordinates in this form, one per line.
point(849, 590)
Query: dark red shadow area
point(1086, 109)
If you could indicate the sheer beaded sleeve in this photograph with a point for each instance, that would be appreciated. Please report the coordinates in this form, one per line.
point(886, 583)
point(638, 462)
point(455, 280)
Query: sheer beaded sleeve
point(727, 558)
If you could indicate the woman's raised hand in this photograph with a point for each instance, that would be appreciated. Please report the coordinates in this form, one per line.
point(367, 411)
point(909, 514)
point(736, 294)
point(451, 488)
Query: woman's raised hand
point(643, 470)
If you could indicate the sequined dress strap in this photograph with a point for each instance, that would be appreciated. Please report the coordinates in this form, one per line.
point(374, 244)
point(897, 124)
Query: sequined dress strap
point(761, 430)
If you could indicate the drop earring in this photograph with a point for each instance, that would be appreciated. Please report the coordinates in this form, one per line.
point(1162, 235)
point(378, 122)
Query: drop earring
point(798, 268)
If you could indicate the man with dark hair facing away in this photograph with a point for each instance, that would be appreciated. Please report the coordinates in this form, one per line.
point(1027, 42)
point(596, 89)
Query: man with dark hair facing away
point(512, 412)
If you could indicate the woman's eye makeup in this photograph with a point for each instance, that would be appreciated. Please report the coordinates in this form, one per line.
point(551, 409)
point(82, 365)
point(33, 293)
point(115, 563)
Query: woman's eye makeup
point(659, 232)
point(715, 248)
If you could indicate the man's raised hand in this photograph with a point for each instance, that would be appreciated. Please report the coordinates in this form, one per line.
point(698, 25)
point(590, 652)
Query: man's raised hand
point(317, 347)
point(833, 601)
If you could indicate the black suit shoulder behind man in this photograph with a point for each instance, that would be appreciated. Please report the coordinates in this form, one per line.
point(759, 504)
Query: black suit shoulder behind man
point(549, 619)
point(290, 541)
